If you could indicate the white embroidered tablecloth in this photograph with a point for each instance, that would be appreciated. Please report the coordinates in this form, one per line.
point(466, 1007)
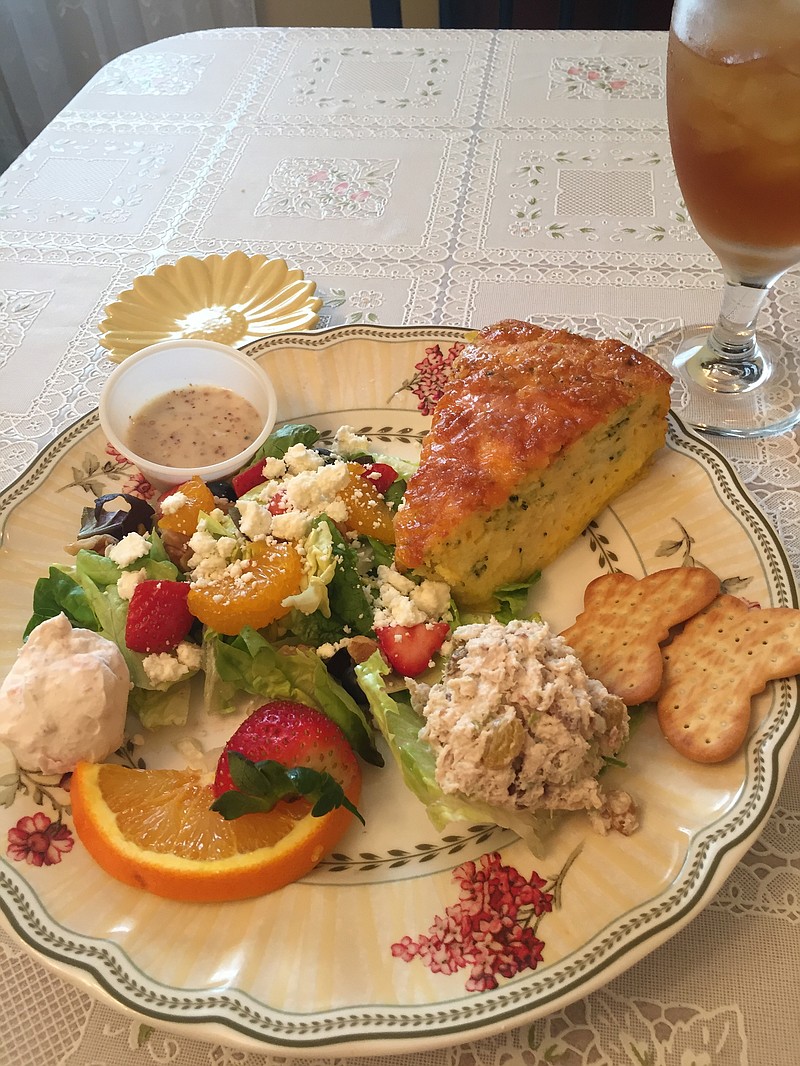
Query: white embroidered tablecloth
point(449, 177)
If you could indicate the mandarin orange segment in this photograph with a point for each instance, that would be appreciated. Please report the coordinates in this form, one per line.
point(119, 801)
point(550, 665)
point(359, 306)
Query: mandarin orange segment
point(367, 511)
point(250, 593)
point(184, 520)
point(154, 829)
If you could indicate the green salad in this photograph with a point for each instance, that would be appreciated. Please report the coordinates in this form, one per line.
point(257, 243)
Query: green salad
point(280, 583)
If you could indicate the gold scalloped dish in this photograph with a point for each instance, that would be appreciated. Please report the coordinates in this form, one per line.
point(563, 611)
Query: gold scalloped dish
point(233, 299)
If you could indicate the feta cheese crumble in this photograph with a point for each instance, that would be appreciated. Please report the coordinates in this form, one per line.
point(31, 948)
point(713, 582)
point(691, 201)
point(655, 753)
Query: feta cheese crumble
point(310, 488)
point(256, 519)
point(401, 602)
point(298, 459)
point(165, 668)
point(210, 554)
point(133, 546)
point(128, 581)
point(172, 504)
point(347, 442)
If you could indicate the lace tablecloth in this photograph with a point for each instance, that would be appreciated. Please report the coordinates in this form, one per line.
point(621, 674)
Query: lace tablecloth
point(450, 177)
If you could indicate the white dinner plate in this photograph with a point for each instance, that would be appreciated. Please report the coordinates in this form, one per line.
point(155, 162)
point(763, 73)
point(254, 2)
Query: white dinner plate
point(311, 969)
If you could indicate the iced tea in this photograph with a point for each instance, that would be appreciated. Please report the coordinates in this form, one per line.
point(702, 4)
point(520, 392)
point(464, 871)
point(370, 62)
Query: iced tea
point(734, 118)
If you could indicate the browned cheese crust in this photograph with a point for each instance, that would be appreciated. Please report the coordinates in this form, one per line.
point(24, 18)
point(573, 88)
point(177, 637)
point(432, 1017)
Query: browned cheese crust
point(520, 398)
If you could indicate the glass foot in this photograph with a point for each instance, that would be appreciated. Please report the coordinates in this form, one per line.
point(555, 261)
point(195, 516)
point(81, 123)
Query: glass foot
point(756, 399)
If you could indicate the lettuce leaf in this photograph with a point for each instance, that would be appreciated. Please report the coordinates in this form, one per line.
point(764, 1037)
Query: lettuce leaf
point(219, 695)
point(400, 725)
point(395, 493)
point(159, 707)
point(349, 601)
point(87, 594)
point(282, 439)
point(219, 525)
point(60, 593)
point(339, 603)
point(319, 567)
point(249, 663)
point(97, 520)
point(383, 554)
point(78, 591)
point(404, 467)
point(512, 600)
point(311, 629)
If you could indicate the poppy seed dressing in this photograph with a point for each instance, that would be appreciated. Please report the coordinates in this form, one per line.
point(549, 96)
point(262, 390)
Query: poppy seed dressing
point(193, 426)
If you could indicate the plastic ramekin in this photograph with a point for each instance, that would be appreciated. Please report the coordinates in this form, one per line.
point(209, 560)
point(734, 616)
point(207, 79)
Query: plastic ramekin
point(178, 364)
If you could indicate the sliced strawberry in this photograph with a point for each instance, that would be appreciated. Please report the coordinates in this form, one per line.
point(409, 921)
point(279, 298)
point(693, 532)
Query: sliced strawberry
point(158, 618)
point(409, 649)
point(293, 735)
point(249, 478)
point(381, 475)
point(278, 504)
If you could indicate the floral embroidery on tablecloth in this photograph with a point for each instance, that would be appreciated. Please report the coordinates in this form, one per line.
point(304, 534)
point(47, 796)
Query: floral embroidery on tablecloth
point(19, 309)
point(329, 188)
point(388, 77)
point(363, 301)
point(85, 181)
point(592, 78)
point(682, 230)
point(767, 880)
point(492, 929)
point(607, 1027)
point(582, 187)
point(153, 75)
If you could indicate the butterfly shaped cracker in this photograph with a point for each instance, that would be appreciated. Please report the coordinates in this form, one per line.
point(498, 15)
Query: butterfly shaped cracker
point(618, 634)
point(712, 669)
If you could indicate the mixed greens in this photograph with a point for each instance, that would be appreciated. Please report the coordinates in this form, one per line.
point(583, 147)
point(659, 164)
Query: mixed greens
point(306, 653)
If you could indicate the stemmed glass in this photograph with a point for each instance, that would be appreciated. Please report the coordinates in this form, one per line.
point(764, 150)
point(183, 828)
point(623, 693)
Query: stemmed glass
point(733, 101)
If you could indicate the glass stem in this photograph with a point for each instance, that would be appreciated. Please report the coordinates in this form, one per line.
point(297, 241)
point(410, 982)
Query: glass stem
point(733, 337)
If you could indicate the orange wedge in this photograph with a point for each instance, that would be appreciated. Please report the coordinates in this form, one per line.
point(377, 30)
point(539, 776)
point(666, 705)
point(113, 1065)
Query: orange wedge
point(154, 829)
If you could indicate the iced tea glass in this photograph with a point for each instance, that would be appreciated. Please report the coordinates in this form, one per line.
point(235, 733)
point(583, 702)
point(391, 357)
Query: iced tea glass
point(733, 101)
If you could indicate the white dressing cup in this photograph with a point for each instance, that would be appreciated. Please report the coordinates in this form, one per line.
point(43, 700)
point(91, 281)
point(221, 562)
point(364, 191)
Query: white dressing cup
point(180, 364)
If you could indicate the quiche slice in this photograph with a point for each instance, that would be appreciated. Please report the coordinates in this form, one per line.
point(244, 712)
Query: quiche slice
point(535, 433)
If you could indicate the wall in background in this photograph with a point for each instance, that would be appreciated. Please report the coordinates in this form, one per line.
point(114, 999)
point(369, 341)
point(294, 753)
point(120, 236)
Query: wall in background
point(572, 14)
point(475, 14)
point(417, 14)
point(313, 13)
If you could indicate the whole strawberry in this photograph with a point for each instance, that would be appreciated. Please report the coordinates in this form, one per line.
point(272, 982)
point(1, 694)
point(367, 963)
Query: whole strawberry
point(293, 735)
point(158, 617)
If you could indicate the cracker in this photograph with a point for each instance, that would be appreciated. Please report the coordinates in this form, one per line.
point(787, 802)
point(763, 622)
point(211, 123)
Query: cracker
point(712, 669)
point(618, 635)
